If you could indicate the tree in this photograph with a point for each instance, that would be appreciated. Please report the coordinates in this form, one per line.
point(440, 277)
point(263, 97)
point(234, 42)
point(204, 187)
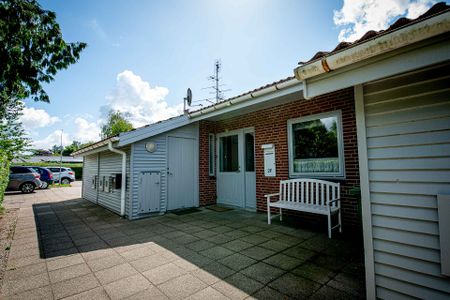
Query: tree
point(115, 124)
point(56, 149)
point(68, 150)
point(13, 140)
point(32, 51)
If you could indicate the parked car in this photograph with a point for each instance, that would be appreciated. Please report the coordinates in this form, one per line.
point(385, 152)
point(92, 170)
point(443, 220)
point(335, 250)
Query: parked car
point(23, 179)
point(67, 174)
point(46, 176)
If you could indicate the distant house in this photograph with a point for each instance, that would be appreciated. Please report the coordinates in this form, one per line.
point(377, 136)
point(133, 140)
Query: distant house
point(48, 159)
point(382, 108)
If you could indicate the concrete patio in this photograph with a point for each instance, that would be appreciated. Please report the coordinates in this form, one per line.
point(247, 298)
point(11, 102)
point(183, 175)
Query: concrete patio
point(66, 247)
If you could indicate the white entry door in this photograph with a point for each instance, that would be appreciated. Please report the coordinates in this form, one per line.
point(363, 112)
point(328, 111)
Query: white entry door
point(235, 177)
point(181, 173)
point(249, 169)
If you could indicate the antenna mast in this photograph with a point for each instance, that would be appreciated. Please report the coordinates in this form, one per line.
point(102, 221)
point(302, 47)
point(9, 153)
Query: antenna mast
point(216, 80)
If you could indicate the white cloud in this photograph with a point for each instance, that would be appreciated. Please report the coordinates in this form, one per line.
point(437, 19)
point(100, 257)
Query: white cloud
point(53, 138)
point(33, 118)
point(139, 102)
point(356, 17)
point(87, 131)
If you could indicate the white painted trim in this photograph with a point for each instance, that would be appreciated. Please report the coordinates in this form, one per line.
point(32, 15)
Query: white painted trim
point(365, 193)
point(290, 122)
point(131, 182)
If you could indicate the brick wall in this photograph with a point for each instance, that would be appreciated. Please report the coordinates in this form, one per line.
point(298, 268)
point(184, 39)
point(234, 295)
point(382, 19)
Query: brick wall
point(271, 128)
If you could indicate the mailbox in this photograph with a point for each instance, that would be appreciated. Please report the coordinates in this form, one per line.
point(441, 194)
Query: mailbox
point(269, 160)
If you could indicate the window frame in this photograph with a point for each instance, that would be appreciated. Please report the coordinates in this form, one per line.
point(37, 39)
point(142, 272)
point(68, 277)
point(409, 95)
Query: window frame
point(341, 158)
point(211, 160)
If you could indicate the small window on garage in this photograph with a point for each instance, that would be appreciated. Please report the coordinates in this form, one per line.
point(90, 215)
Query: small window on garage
point(211, 154)
point(315, 146)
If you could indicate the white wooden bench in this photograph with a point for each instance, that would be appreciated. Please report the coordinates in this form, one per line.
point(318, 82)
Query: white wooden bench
point(308, 195)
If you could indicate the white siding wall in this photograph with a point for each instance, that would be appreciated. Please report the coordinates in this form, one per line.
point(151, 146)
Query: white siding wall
point(144, 161)
point(408, 150)
point(90, 169)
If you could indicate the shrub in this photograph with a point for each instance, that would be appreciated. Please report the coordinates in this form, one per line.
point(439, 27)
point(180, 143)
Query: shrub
point(4, 175)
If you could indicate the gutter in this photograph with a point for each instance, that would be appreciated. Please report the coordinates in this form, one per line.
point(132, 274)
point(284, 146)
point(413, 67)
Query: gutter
point(267, 90)
point(402, 37)
point(124, 176)
point(95, 146)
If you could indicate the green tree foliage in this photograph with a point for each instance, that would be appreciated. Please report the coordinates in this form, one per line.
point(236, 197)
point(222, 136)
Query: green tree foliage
point(71, 148)
point(4, 174)
point(115, 124)
point(13, 140)
point(314, 140)
point(32, 50)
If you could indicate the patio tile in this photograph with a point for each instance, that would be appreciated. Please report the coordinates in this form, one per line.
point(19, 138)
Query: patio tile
point(237, 245)
point(185, 239)
point(151, 293)
point(105, 262)
point(314, 272)
point(268, 293)
point(263, 272)
point(208, 293)
point(95, 294)
point(220, 239)
point(348, 284)
point(329, 262)
point(137, 253)
point(221, 229)
point(185, 264)
point(254, 239)
point(182, 287)
point(235, 234)
point(115, 273)
point(163, 273)
point(199, 260)
point(98, 253)
point(229, 290)
point(244, 283)
point(200, 245)
point(293, 286)
point(300, 253)
point(74, 286)
point(283, 261)
point(38, 293)
point(126, 287)
point(275, 245)
point(26, 271)
point(326, 292)
point(204, 234)
point(216, 252)
point(252, 229)
point(64, 262)
point(258, 253)
point(218, 270)
point(205, 276)
point(317, 243)
point(24, 261)
point(237, 261)
point(69, 272)
point(23, 284)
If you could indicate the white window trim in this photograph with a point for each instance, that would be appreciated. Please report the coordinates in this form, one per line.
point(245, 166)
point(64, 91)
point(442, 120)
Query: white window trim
point(211, 147)
point(290, 122)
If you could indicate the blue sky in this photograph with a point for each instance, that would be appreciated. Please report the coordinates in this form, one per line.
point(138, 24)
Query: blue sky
point(143, 55)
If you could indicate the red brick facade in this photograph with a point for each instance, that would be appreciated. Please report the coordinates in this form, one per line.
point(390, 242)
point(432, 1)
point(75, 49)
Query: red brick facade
point(271, 128)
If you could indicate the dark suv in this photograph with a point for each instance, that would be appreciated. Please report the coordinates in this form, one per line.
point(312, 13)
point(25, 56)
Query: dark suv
point(46, 176)
point(23, 179)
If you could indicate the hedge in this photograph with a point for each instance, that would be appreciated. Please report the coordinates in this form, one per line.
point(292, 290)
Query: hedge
point(77, 168)
point(4, 175)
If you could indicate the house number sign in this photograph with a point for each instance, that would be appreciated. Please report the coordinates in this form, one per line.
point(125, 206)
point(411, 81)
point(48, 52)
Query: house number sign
point(269, 160)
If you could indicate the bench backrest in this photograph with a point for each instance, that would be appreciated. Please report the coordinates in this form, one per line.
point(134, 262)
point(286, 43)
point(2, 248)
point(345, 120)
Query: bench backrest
point(310, 191)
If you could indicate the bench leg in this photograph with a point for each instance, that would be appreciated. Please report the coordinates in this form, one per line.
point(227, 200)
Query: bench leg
point(268, 215)
point(281, 215)
point(329, 225)
point(340, 221)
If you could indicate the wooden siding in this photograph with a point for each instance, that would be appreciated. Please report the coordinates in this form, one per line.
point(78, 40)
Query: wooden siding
point(90, 169)
point(157, 161)
point(408, 148)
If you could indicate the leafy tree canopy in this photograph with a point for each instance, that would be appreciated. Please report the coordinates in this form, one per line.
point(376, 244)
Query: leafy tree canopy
point(12, 135)
point(32, 50)
point(115, 124)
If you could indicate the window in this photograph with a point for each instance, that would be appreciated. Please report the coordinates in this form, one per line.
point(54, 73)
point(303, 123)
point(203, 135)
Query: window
point(229, 153)
point(211, 154)
point(315, 146)
point(249, 152)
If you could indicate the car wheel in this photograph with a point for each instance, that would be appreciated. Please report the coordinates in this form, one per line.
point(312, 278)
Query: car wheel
point(27, 188)
point(65, 181)
point(44, 185)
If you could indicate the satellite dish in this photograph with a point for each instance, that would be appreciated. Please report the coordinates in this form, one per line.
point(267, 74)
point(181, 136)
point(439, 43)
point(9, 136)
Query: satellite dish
point(189, 97)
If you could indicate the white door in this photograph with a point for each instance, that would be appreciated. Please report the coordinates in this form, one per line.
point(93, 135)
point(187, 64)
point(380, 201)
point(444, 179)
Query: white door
point(236, 180)
point(249, 169)
point(149, 191)
point(181, 173)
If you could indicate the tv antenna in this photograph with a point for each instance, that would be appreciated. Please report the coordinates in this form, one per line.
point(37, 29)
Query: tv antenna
point(217, 91)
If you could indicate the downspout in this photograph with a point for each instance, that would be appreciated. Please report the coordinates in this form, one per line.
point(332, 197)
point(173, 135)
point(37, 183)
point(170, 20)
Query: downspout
point(124, 176)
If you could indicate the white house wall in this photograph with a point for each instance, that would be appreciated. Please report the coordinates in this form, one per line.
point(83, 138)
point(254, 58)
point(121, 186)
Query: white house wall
point(145, 161)
point(90, 169)
point(407, 120)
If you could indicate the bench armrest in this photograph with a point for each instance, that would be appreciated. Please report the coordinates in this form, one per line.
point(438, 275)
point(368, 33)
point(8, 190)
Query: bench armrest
point(268, 196)
point(334, 200)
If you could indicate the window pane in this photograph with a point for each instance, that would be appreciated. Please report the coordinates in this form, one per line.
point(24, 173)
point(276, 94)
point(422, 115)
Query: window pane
point(229, 156)
point(211, 155)
point(315, 146)
point(249, 152)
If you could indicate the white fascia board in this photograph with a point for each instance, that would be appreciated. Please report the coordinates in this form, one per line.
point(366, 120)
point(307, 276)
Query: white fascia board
point(414, 57)
point(95, 150)
point(152, 130)
point(298, 87)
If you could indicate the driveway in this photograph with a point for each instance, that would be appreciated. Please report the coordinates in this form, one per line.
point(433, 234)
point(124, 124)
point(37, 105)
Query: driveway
point(66, 247)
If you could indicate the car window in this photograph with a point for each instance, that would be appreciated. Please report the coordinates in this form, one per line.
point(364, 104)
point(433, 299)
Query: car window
point(54, 169)
point(20, 170)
